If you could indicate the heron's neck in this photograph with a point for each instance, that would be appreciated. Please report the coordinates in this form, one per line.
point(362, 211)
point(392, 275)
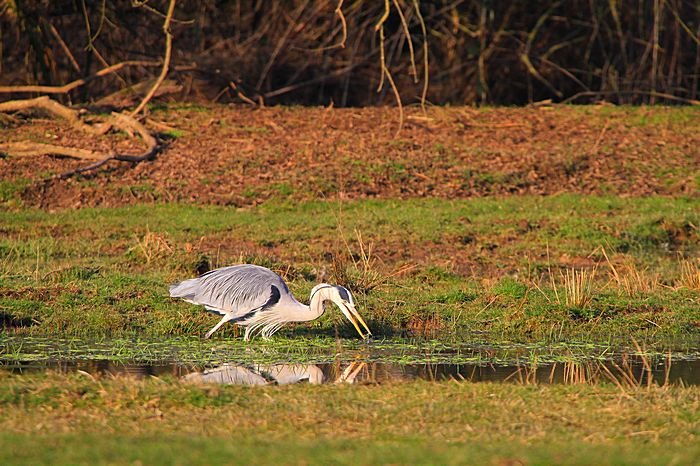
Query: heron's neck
point(298, 312)
point(315, 308)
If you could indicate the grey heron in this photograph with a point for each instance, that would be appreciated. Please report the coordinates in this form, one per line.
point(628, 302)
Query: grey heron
point(259, 300)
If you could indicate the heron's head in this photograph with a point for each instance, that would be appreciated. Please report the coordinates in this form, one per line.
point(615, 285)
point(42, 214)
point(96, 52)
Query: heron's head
point(341, 297)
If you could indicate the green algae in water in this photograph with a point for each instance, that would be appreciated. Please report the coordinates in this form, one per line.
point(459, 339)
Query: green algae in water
point(196, 351)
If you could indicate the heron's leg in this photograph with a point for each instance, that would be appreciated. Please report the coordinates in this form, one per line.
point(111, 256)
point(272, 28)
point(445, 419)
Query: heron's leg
point(223, 320)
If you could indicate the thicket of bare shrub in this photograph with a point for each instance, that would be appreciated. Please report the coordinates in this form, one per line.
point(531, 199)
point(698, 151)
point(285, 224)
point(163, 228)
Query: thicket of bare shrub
point(317, 51)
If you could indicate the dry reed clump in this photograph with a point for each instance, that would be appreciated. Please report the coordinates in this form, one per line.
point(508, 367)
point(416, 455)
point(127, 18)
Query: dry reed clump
point(8, 262)
point(359, 270)
point(580, 373)
point(629, 280)
point(425, 324)
point(690, 275)
point(158, 248)
point(574, 373)
point(151, 246)
point(629, 372)
point(578, 287)
point(627, 377)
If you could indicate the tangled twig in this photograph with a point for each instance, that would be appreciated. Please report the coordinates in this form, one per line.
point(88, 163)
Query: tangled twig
point(116, 120)
point(166, 59)
point(66, 88)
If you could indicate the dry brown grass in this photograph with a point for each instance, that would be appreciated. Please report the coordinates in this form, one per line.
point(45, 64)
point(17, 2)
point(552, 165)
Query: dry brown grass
point(358, 267)
point(152, 246)
point(629, 279)
point(690, 275)
point(578, 287)
point(59, 403)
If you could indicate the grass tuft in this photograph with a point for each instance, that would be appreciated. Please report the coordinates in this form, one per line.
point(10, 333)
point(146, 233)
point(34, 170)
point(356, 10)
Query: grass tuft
point(152, 246)
point(630, 280)
point(690, 275)
point(578, 287)
point(359, 270)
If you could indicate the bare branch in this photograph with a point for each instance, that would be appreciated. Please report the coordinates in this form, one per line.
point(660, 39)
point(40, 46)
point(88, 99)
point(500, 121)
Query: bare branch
point(125, 122)
point(411, 53)
point(426, 69)
point(50, 106)
point(166, 59)
point(29, 149)
point(78, 82)
point(662, 95)
point(64, 46)
point(397, 96)
point(84, 169)
point(339, 12)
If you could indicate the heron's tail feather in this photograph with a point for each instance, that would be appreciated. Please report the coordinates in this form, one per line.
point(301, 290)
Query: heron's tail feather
point(186, 289)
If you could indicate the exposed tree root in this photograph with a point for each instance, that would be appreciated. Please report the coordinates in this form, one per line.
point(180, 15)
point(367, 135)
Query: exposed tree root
point(118, 121)
point(50, 106)
point(29, 149)
point(123, 121)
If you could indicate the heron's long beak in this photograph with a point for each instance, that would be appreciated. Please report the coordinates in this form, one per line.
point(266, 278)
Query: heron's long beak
point(354, 317)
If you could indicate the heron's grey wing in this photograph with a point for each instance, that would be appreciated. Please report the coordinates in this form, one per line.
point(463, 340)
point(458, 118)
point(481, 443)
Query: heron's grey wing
point(227, 374)
point(237, 289)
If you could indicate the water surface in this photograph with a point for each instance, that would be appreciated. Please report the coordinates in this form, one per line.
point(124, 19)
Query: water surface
point(629, 370)
point(340, 361)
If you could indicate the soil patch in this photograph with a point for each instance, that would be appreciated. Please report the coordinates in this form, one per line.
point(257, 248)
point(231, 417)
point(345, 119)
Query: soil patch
point(239, 156)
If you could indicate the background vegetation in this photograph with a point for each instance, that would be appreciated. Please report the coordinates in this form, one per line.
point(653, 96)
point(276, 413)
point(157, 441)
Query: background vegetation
point(317, 51)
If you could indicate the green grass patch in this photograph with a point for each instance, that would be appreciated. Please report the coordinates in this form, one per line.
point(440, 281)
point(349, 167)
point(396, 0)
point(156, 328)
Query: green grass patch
point(90, 448)
point(10, 192)
point(55, 419)
point(488, 265)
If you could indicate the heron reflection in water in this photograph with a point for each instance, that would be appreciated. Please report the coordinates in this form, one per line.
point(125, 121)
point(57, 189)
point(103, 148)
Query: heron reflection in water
point(279, 374)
